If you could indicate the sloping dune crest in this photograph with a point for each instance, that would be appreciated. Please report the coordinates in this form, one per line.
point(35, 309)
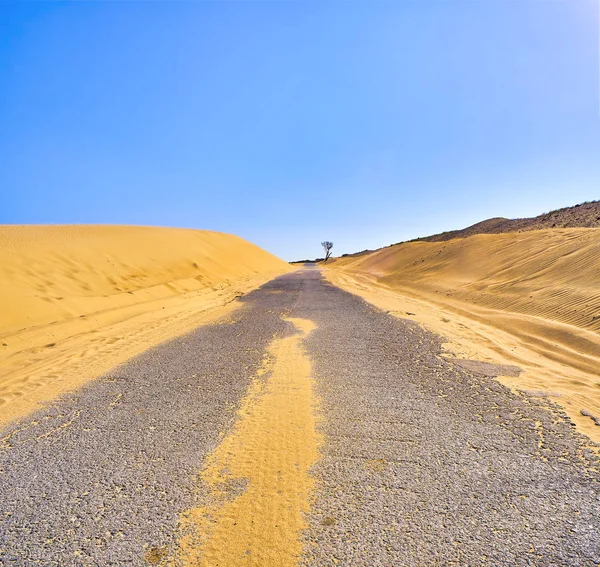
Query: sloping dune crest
point(77, 300)
point(530, 298)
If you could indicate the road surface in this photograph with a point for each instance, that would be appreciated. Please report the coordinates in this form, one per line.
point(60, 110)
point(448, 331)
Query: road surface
point(308, 428)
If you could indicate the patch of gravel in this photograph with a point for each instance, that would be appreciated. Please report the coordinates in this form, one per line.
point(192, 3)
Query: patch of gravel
point(487, 368)
point(100, 477)
point(426, 463)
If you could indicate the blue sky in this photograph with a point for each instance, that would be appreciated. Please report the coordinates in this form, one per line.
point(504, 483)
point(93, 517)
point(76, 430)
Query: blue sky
point(289, 123)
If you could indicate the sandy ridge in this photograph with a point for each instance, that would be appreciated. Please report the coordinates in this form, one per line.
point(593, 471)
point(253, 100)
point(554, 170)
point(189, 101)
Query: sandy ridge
point(78, 300)
point(584, 215)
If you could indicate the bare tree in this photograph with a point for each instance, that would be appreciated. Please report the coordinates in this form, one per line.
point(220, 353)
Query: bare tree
point(327, 246)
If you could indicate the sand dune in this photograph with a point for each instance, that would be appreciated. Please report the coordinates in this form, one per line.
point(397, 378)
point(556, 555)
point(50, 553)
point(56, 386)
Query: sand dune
point(77, 300)
point(531, 299)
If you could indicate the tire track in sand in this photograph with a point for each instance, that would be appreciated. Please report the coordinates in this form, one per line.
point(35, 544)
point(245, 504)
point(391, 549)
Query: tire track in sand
point(258, 476)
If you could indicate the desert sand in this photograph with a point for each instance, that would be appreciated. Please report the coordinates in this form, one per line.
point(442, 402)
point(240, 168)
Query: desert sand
point(78, 300)
point(529, 299)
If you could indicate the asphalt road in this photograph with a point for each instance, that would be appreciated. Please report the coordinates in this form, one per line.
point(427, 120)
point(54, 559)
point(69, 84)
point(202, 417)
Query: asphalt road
point(423, 463)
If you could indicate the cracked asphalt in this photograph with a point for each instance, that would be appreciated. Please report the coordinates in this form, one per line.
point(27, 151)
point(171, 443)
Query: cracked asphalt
point(423, 462)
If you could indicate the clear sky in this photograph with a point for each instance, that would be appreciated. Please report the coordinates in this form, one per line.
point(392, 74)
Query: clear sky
point(289, 123)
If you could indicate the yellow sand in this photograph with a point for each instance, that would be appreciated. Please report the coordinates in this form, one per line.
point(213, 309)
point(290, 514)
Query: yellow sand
point(530, 299)
point(259, 474)
point(77, 300)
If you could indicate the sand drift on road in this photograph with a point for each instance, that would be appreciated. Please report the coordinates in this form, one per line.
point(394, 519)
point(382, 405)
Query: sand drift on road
point(270, 451)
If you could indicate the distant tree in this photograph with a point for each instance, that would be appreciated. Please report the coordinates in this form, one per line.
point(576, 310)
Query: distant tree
point(327, 246)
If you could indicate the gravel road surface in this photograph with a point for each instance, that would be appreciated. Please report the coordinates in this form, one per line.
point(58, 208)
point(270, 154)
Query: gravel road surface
point(423, 462)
